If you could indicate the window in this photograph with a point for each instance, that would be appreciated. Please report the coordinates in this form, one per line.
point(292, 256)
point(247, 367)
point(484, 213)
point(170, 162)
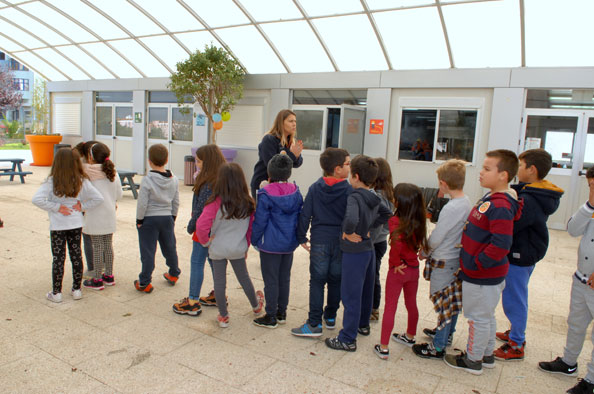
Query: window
point(310, 125)
point(437, 134)
point(555, 134)
point(21, 84)
point(113, 97)
point(166, 97)
point(330, 97)
point(16, 66)
point(560, 98)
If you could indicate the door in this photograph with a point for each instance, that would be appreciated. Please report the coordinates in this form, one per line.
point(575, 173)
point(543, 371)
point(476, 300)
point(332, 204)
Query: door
point(583, 191)
point(352, 129)
point(113, 127)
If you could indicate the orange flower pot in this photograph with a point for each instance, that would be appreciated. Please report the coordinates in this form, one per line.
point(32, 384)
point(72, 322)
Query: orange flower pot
point(42, 148)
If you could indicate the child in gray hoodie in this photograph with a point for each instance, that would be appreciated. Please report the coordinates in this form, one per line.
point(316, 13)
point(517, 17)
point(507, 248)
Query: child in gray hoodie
point(158, 202)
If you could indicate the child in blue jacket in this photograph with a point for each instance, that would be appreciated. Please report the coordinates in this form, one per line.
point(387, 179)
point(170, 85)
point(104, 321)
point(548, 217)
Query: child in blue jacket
point(274, 235)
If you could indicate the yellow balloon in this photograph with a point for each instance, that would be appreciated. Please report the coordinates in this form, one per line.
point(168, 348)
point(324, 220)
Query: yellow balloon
point(226, 116)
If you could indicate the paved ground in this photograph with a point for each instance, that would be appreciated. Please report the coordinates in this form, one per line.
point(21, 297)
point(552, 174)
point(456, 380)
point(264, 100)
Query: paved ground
point(119, 340)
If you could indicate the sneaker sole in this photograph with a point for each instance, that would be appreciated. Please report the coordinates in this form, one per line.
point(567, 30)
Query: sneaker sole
point(402, 342)
point(171, 282)
point(94, 288)
point(264, 325)
point(381, 355)
point(281, 321)
point(471, 371)
point(204, 303)
point(428, 357)
point(108, 284)
point(502, 340)
point(329, 327)
point(509, 359)
point(306, 335)
point(189, 313)
point(488, 366)
point(559, 372)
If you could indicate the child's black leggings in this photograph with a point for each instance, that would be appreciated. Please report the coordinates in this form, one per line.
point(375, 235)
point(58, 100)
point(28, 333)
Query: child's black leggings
point(59, 240)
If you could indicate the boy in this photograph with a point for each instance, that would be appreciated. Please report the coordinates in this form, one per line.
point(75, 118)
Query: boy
point(581, 307)
point(443, 259)
point(530, 243)
point(158, 202)
point(364, 211)
point(486, 240)
point(324, 207)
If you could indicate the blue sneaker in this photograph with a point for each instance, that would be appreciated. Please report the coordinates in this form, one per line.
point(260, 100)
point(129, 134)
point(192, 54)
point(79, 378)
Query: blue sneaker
point(307, 330)
point(330, 323)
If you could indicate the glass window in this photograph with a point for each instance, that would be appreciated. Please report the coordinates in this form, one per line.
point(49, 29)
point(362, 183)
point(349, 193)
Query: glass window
point(560, 98)
point(417, 134)
point(589, 155)
point(124, 121)
point(330, 97)
point(103, 121)
point(310, 125)
point(113, 97)
point(455, 139)
point(181, 125)
point(555, 134)
point(158, 124)
point(166, 97)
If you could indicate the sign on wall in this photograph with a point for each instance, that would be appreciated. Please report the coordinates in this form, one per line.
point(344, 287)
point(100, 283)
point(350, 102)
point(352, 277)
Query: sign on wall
point(376, 126)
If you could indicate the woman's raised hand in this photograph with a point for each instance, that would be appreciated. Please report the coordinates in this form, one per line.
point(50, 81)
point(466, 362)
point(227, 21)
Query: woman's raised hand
point(296, 148)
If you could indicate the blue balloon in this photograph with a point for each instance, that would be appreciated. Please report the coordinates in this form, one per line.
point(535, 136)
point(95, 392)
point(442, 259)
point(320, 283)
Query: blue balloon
point(217, 118)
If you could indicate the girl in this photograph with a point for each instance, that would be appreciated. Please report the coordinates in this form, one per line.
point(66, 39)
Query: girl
point(408, 235)
point(100, 223)
point(385, 190)
point(65, 194)
point(209, 159)
point(225, 227)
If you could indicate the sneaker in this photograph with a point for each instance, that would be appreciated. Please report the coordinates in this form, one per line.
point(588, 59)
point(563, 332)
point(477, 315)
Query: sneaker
point(76, 294)
point(381, 353)
point(281, 318)
point(209, 300)
point(330, 324)
point(307, 331)
point(374, 315)
point(364, 331)
point(403, 339)
point(489, 361)
point(260, 297)
point(172, 280)
point(558, 366)
point(583, 387)
point(267, 321)
point(430, 332)
point(147, 289)
point(108, 280)
point(185, 308)
point(88, 274)
point(462, 362)
point(502, 336)
point(54, 297)
point(95, 284)
point(509, 351)
point(427, 350)
point(223, 321)
point(337, 344)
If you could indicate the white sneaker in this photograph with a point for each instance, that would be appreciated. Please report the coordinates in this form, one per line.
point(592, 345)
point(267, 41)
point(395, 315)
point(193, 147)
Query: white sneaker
point(76, 294)
point(54, 297)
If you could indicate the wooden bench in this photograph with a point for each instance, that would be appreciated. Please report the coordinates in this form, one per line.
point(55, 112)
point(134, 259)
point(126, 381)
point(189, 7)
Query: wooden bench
point(15, 170)
point(127, 179)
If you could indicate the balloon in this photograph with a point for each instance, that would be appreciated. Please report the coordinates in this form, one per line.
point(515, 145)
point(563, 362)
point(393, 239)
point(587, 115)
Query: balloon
point(217, 125)
point(217, 118)
point(226, 116)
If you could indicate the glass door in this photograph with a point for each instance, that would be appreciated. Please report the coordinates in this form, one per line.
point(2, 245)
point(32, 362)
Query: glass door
point(352, 129)
point(113, 127)
point(587, 155)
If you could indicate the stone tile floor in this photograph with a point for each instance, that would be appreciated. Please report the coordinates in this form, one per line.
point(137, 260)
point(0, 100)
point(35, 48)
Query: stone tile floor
point(120, 340)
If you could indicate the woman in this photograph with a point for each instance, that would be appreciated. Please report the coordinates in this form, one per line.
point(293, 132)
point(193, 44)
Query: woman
point(280, 138)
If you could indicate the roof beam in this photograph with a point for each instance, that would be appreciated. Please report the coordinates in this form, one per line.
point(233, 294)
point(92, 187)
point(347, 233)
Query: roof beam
point(523, 32)
point(445, 33)
point(377, 33)
point(17, 58)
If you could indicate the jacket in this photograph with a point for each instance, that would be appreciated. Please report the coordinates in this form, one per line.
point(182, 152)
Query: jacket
point(268, 147)
point(531, 235)
point(158, 195)
point(275, 223)
point(400, 252)
point(324, 208)
point(582, 224)
point(198, 202)
point(379, 233)
point(101, 220)
point(487, 238)
point(364, 211)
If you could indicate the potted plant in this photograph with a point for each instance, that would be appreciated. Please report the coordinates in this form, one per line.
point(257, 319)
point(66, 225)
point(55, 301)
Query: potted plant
point(42, 143)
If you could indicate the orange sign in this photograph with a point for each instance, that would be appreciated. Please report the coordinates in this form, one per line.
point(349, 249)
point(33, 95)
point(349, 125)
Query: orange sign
point(376, 126)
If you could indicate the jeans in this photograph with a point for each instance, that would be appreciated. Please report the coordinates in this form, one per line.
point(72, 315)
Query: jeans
point(157, 229)
point(199, 255)
point(515, 301)
point(276, 273)
point(325, 267)
point(440, 340)
point(380, 251)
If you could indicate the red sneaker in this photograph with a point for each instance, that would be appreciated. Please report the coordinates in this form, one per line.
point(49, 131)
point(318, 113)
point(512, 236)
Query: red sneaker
point(502, 336)
point(509, 351)
point(147, 289)
point(172, 280)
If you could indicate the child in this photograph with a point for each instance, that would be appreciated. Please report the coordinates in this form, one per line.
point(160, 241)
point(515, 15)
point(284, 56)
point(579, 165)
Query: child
point(486, 240)
point(209, 159)
point(65, 194)
point(385, 190)
point(100, 222)
point(581, 307)
point(274, 234)
point(158, 202)
point(530, 243)
point(225, 227)
point(408, 235)
point(443, 259)
point(364, 211)
point(324, 208)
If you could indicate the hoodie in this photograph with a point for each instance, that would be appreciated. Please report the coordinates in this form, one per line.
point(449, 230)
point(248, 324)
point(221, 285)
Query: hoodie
point(487, 238)
point(102, 219)
point(364, 211)
point(531, 236)
point(275, 225)
point(582, 224)
point(324, 208)
point(158, 195)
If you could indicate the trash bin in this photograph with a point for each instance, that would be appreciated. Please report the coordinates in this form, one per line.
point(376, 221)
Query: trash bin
point(189, 170)
point(60, 146)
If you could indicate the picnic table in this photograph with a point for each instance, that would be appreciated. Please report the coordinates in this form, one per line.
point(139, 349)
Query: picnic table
point(16, 169)
point(127, 179)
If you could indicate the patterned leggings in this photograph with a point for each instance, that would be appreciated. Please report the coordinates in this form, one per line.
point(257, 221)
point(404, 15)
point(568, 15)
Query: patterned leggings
point(102, 254)
point(59, 240)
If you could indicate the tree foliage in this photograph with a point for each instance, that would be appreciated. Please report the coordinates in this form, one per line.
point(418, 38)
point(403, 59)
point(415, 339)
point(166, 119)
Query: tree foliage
point(40, 107)
point(213, 78)
point(10, 97)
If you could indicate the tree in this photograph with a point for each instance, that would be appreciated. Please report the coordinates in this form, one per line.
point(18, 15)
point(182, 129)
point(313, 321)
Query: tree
point(212, 78)
point(10, 97)
point(40, 107)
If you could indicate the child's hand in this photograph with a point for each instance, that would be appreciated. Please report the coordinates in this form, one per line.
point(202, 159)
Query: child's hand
point(306, 247)
point(213, 237)
point(77, 206)
point(591, 185)
point(353, 237)
point(591, 281)
point(64, 210)
point(400, 269)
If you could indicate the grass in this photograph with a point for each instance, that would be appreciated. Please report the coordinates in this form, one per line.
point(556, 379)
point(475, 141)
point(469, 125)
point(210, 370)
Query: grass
point(15, 146)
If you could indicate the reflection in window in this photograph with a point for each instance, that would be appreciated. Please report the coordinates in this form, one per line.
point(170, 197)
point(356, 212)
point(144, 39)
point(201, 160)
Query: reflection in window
point(455, 139)
point(309, 128)
point(589, 155)
point(158, 123)
point(124, 121)
point(553, 133)
point(103, 121)
point(417, 134)
point(113, 97)
point(181, 125)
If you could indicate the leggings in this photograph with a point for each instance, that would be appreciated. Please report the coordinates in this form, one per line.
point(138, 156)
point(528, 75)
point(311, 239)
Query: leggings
point(59, 240)
point(395, 283)
point(219, 268)
point(88, 247)
point(102, 254)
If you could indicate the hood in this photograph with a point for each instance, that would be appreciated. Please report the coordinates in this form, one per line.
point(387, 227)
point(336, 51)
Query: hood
point(546, 194)
point(328, 194)
point(161, 178)
point(369, 197)
point(285, 196)
point(512, 197)
point(94, 171)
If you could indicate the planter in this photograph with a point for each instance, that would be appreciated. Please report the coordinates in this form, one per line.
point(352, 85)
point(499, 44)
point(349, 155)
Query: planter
point(42, 148)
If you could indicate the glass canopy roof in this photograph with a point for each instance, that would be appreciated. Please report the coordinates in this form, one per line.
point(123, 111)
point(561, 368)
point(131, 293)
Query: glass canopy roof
point(105, 39)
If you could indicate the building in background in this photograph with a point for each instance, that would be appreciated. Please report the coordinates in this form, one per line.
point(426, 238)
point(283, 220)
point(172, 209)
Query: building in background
point(24, 82)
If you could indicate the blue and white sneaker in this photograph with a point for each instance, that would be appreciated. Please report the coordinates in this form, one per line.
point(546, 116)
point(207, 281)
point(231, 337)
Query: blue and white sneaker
point(330, 324)
point(306, 330)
